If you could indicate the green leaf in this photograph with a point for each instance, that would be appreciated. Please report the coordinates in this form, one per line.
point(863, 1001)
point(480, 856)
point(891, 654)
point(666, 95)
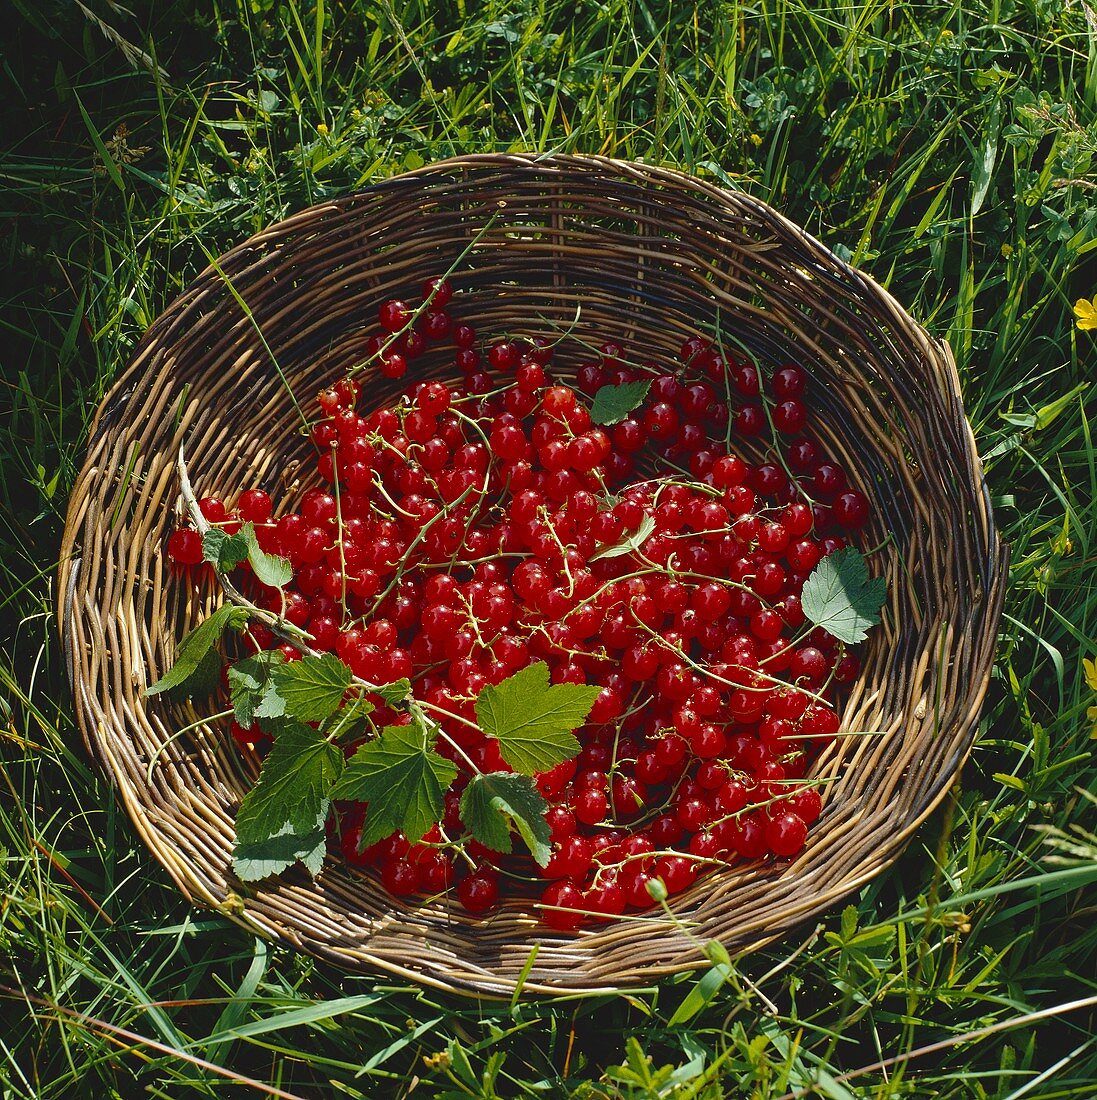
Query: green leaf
point(259, 860)
point(351, 718)
point(396, 692)
point(700, 995)
point(313, 687)
point(840, 596)
point(402, 779)
point(493, 802)
point(281, 819)
point(224, 552)
point(196, 646)
point(532, 720)
point(271, 705)
point(270, 570)
point(250, 684)
point(204, 680)
point(613, 403)
point(630, 542)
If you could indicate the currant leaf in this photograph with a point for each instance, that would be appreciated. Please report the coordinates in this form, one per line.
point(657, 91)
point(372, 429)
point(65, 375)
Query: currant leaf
point(281, 819)
point(840, 596)
point(204, 680)
point(255, 861)
point(250, 683)
point(273, 571)
point(402, 779)
point(494, 802)
point(396, 692)
point(350, 718)
point(270, 704)
point(223, 551)
point(630, 542)
point(613, 403)
point(313, 687)
point(532, 720)
point(193, 657)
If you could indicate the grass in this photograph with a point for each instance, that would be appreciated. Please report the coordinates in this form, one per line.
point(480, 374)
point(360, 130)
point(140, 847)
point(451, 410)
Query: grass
point(947, 148)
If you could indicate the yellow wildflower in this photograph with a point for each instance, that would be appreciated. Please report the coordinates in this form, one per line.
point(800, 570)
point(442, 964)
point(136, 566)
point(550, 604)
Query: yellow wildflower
point(1089, 668)
point(322, 128)
point(1086, 312)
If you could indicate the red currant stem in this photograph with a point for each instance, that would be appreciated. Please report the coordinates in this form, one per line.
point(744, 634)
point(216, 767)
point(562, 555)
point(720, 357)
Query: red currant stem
point(701, 534)
point(517, 876)
point(686, 479)
point(751, 806)
point(160, 749)
point(422, 307)
point(617, 864)
point(569, 333)
point(614, 580)
point(791, 643)
point(728, 399)
point(473, 621)
point(618, 918)
point(339, 529)
point(659, 808)
point(887, 540)
point(475, 425)
point(563, 551)
point(474, 561)
point(774, 449)
point(479, 398)
point(345, 716)
point(379, 440)
point(418, 707)
point(659, 639)
point(636, 706)
point(400, 566)
point(707, 578)
point(596, 654)
point(246, 309)
point(483, 493)
point(379, 484)
point(422, 704)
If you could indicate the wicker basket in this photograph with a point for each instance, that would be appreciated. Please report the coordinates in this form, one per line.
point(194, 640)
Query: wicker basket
point(645, 255)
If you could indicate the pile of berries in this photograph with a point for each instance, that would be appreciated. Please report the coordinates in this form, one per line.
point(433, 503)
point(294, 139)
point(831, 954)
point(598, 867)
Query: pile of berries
point(469, 529)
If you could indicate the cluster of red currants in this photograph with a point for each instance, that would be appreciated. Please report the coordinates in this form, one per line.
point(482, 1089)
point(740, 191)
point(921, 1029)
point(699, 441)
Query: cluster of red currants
point(470, 529)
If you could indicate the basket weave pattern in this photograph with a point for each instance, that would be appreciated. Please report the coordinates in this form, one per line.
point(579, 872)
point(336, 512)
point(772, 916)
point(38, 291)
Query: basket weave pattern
point(604, 250)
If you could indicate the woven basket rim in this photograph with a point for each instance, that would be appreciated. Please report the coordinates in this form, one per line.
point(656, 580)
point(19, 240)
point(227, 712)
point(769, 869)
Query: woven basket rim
point(257, 250)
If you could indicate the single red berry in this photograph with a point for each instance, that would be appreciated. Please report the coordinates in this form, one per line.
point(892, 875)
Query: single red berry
point(789, 382)
point(399, 877)
point(503, 356)
point(789, 417)
point(851, 510)
point(394, 315)
point(560, 902)
point(750, 420)
point(591, 806)
point(441, 290)
point(185, 546)
point(786, 834)
point(479, 892)
point(255, 506)
point(213, 509)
